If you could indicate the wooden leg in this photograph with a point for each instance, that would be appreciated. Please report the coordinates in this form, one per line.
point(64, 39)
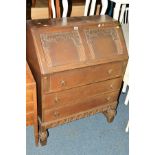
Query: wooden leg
point(33, 3)
point(35, 117)
point(110, 114)
point(50, 9)
point(43, 137)
point(36, 134)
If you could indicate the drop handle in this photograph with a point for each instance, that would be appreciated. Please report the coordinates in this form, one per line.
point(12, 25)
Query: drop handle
point(56, 114)
point(63, 83)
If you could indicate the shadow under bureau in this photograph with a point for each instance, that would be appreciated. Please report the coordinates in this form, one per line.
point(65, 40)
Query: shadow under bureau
point(78, 64)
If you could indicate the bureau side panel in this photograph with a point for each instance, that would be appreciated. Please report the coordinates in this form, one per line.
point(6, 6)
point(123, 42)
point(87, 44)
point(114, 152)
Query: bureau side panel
point(32, 60)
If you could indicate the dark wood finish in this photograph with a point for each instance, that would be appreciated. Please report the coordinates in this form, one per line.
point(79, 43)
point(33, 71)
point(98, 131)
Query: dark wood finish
point(29, 5)
point(33, 3)
point(49, 9)
point(28, 9)
point(58, 10)
point(79, 106)
point(73, 78)
point(78, 66)
point(31, 102)
point(65, 97)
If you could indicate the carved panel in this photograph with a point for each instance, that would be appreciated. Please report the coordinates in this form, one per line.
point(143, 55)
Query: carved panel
point(103, 42)
point(59, 45)
point(77, 116)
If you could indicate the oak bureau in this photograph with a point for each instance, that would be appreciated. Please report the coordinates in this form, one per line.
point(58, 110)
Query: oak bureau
point(78, 64)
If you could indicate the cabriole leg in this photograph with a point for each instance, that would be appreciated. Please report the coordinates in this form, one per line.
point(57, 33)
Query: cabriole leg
point(43, 137)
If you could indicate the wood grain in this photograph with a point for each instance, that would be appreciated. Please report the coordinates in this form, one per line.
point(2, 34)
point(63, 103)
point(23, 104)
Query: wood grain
point(31, 102)
point(78, 65)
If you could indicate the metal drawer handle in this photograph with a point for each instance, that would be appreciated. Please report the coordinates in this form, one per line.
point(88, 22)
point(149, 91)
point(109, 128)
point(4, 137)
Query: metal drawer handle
point(110, 71)
point(56, 114)
point(63, 83)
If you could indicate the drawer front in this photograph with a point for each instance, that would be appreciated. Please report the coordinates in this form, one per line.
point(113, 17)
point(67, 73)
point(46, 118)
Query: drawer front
point(80, 93)
point(29, 118)
point(98, 100)
point(29, 107)
point(78, 77)
point(29, 95)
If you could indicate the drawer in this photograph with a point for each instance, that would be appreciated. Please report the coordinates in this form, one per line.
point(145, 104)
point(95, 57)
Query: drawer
point(98, 100)
point(30, 118)
point(29, 107)
point(80, 93)
point(78, 77)
point(29, 95)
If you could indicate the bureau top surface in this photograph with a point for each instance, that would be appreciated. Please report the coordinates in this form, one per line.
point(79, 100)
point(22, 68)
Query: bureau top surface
point(70, 21)
point(29, 77)
point(68, 43)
